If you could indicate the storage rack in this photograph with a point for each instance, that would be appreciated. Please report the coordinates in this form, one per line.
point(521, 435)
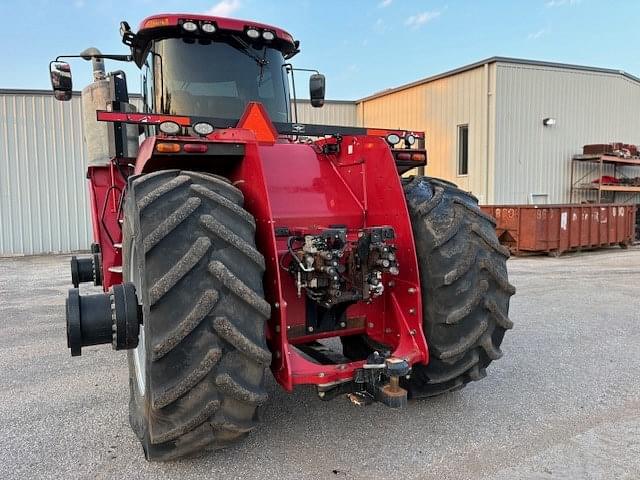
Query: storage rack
point(599, 161)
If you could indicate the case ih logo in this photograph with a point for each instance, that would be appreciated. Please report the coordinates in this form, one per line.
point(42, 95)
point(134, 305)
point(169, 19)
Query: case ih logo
point(298, 128)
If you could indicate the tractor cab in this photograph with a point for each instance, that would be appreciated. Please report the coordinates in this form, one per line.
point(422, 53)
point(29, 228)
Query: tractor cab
point(208, 67)
point(211, 67)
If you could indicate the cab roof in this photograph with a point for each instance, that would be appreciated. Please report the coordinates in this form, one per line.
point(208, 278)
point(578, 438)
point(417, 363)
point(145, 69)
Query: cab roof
point(165, 25)
point(223, 23)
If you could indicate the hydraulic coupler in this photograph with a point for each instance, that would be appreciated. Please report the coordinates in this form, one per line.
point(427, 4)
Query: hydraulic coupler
point(112, 317)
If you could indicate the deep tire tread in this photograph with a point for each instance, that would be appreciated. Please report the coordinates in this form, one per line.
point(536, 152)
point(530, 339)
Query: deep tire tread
point(225, 203)
point(171, 222)
point(205, 375)
point(231, 387)
point(239, 289)
point(228, 332)
point(233, 240)
point(185, 326)
point(196, 252)
point(464, 283)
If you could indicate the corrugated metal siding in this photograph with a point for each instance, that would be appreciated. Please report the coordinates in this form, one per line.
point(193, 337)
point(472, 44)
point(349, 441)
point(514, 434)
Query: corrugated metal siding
point(43, 195)
point(332, 113)
point(438, 108)
point(43, 190)
point(590, 107)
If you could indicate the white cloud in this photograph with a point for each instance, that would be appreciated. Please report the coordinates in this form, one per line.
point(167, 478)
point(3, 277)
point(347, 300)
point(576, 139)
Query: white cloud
point(385, 3)
point(224, 8)
point(538, 34)
point(560, 3)
point(419, 19)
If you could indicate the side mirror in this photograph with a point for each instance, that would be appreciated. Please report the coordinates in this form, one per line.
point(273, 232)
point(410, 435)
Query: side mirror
point(316, 89)
point(61, 83)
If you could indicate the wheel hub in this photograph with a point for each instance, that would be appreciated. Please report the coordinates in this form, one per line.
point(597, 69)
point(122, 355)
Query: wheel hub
point(112, 317)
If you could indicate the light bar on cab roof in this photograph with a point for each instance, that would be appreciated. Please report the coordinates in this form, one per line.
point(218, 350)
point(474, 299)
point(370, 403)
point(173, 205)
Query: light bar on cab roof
point(208, 27)
point(190, 26)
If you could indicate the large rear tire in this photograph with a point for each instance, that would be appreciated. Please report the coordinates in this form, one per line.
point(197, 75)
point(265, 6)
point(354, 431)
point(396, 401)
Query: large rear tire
point(464, 286)
point(197, 376)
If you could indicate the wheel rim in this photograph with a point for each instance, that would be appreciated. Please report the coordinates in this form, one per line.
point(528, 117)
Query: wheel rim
point(140, 352)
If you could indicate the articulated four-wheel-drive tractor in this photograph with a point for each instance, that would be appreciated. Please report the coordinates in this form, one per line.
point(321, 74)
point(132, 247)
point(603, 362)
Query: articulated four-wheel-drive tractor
point(230, 239)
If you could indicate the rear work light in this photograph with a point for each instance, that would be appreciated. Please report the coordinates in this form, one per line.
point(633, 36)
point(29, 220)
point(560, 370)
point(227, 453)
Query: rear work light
point(203, 128)
point(170, 128)
point(168, 147)
point(393, 139)
point(195, 147)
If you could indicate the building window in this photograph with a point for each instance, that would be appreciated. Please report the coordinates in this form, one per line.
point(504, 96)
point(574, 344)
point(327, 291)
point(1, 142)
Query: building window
point(463, 149)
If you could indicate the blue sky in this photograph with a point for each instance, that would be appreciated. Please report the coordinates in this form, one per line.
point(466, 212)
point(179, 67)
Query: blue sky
point(362, 46)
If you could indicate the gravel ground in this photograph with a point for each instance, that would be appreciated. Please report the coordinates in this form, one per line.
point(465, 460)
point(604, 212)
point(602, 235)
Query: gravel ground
point(562, 403)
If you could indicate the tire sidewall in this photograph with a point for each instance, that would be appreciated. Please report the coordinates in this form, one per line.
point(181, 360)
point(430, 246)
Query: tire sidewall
point(139, 402)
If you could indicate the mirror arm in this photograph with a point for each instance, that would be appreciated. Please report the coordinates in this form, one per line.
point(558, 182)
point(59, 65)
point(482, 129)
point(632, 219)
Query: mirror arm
point(119, 58)
point(289, 68)
point(304, 69)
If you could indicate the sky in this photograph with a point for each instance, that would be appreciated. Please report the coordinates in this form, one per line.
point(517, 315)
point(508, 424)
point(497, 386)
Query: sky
point(362, 46)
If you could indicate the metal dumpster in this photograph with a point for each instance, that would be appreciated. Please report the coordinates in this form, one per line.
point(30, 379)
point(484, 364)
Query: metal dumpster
point(559, 228)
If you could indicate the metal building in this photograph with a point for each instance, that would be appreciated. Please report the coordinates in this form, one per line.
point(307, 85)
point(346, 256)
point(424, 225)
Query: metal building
point(485, 124)
point(484, 127)
point(43, 191)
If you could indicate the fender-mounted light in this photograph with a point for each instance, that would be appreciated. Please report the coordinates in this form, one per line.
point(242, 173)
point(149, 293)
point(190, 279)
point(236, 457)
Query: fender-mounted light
point(170, 128)
point(410, 139)
point(190, 26)
point(208, 27)
point(195, 147)
point(418, 157)
point(268, 36)
point(203, 128)
point(253, 33)
point(393, 139)
point(168, 147)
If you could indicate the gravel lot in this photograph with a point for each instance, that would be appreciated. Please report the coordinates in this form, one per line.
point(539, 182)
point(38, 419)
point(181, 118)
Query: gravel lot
point(563, 402)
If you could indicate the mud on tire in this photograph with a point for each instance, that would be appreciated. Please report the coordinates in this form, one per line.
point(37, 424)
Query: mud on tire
point(189, 247)
point(464, 286)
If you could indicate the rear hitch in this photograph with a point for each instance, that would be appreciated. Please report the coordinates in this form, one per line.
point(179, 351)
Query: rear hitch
point(377, 381)
point(380, 378)
point(112, 317)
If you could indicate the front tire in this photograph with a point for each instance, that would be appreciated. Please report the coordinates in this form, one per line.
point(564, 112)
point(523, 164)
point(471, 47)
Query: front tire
point(464, 286)
point(197, 376)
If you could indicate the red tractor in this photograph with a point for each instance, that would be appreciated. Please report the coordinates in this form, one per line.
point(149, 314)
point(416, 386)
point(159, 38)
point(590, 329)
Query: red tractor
point(230, 239)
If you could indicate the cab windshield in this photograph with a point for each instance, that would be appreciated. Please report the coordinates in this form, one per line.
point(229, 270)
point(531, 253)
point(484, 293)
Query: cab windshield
point(216, 79)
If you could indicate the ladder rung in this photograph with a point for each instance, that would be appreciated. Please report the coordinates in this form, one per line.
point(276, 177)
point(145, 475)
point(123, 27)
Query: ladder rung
point(115, 269)
point(117, 245)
